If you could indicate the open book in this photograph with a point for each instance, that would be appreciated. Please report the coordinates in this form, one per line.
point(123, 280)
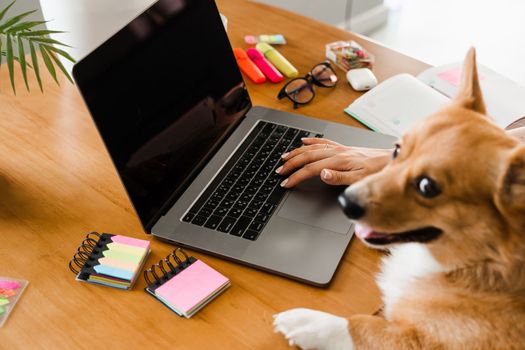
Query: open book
point(396, 104)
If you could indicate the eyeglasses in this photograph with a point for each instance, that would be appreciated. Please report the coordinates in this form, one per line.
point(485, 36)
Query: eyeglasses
point(301, 90)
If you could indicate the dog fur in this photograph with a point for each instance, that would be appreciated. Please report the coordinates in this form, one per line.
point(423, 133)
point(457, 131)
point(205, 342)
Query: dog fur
point(465, 287)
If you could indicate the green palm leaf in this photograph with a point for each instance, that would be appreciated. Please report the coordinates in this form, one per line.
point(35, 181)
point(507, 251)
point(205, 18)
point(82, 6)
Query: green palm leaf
point(22, 61)
point(16, 34)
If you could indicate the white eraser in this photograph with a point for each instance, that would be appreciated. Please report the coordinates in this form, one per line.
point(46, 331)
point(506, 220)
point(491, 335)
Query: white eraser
point(361, 79)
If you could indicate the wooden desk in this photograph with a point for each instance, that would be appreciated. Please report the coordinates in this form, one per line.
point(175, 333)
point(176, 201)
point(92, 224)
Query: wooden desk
point(57, 183)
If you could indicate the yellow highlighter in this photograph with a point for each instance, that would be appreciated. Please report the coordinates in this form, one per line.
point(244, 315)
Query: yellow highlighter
point(278, 60)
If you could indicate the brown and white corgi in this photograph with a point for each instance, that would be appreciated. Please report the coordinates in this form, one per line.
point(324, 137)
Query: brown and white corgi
point(450, 208)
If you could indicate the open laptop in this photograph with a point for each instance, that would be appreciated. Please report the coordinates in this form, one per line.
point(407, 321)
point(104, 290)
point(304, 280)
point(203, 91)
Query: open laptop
point(197, 160)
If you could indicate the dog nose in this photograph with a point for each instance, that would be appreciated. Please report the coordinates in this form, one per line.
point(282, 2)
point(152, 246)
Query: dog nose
point(351, 207)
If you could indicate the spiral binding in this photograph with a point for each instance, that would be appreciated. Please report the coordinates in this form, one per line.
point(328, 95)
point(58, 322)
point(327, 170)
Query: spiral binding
point(84, 251)
point(160, 272)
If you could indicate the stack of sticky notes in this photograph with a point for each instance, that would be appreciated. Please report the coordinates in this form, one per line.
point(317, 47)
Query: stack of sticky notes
point(187, 288)
point(112, 260)
point(11, 290)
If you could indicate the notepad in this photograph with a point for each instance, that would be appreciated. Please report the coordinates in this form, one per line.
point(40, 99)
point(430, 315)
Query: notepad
point(186, 286)
point(110, 260)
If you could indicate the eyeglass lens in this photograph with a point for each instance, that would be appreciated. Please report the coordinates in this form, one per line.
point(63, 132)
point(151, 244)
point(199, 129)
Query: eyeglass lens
point(300, 91)
point(324, 75)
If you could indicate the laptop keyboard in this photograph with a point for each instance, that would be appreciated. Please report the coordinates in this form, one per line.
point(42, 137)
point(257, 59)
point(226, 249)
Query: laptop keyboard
point(243, 196)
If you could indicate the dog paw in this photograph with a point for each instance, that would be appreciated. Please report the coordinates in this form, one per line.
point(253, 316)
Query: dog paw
point(311, 329)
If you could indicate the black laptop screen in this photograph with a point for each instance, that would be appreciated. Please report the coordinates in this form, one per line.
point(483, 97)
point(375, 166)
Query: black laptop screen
point(164, 92)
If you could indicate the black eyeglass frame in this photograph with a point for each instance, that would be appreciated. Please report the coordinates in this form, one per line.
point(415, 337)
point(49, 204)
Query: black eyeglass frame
point(310, 81)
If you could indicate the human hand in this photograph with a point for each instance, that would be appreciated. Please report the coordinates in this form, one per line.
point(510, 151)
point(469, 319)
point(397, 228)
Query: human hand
point(334, 163)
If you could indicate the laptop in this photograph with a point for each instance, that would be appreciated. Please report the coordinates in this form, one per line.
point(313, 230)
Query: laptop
point(197, 159)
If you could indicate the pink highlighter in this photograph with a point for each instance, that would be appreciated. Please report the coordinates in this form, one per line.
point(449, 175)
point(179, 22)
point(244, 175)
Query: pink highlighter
point(264, 65)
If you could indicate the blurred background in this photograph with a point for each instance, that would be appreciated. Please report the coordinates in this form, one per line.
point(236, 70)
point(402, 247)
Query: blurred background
point(434, 31)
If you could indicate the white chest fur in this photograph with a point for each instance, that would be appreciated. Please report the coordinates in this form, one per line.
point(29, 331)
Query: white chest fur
point(405, 264)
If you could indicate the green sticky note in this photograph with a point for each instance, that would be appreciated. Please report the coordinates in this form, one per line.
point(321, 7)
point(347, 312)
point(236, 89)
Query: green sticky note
point(3, 301)
point(125, 256)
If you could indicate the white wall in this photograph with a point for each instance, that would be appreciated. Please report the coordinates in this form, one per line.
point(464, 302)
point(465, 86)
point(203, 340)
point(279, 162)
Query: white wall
point(89, 22)
point(349, 14)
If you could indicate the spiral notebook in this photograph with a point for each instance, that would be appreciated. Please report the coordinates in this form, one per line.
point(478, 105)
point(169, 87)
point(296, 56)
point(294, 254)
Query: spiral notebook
point(184, 285)
point(110, 260)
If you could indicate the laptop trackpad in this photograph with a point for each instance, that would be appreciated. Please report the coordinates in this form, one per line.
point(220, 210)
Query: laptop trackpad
point(314, 203)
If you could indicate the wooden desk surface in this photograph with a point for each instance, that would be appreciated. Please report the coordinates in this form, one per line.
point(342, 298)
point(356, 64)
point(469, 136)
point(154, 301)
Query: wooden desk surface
point(57, 184)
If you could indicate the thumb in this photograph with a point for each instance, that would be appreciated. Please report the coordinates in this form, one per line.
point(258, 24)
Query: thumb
point(333, 177)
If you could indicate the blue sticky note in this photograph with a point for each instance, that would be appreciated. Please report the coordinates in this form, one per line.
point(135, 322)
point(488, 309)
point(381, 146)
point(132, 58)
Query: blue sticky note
point(114, 272)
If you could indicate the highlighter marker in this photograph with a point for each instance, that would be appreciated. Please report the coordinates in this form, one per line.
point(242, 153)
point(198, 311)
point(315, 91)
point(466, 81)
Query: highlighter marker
point(264, 65)
point(277, 60)
point(248, 67)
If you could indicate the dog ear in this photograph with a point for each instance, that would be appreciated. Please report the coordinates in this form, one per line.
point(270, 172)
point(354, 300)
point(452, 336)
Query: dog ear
point(469, 95)
point(511, 186)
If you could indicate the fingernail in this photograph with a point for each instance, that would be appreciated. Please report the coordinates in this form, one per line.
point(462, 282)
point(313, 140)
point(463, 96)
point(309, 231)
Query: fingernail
point(284, 182)
point(278, 170)
point(285, 155)
point(325, 174)
point(303, 138)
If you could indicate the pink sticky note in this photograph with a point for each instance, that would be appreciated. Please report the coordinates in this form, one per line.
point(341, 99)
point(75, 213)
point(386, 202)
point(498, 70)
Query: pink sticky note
point(193, 285)
point(130, 241)
point(9, 284)
point(453, 76)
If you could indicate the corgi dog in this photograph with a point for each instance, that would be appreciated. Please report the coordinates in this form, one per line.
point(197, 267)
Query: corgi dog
point(450, 208)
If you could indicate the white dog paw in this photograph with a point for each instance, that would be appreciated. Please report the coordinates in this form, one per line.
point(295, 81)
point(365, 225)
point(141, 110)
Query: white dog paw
point(311, 329)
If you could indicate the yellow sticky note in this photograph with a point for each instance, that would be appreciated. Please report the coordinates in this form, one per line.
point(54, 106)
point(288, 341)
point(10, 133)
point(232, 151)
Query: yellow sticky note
point(120, 255)
point(120, 264)
point(126, 248)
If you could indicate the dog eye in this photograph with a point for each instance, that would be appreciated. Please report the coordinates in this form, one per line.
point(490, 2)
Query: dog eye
point(397, 149)
point(427, 187)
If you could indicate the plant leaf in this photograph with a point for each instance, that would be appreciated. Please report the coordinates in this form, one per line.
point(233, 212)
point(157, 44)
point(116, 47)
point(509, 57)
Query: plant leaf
point(60, 52)
point(41, 32)
point(15, 20)
point(22, 61)
point(34, 59)
point(61, 66)
point(25, 26)
point(10, 61)
point(48, 63)
point(4, 11)
point(16, 59)
point(47, 41)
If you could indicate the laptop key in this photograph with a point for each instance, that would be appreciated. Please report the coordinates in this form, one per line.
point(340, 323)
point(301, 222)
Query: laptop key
point(240, 204)
point(212, 203)
point(235, 212)
point(240, 226)
point(226, 224)
point(188, 217)
point(220, 211)
point(276, 196)
point(226, 203)
point(251, 212)
point(256, 226)
point(205, 211)
point(247, 196)
point(262, 217)
point(213, 222)
point(251, 235)
point(267, 208)
point(199, 220)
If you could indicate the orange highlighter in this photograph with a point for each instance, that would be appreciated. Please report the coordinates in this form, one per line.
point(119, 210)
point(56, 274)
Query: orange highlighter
point(248, 67)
